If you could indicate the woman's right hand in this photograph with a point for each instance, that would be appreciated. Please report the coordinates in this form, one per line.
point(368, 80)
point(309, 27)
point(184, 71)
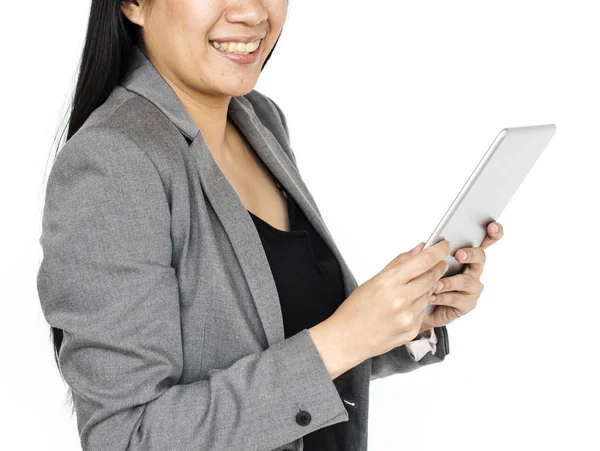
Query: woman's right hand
point(387, 310)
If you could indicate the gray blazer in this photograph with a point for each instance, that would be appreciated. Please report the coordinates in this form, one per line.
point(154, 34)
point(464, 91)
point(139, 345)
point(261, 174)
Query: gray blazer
point(152, 267)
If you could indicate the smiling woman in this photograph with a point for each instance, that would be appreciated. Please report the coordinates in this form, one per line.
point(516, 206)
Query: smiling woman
point(180, 319)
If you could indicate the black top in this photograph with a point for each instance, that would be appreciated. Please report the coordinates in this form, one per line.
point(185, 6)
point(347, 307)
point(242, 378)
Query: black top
point(310, 286)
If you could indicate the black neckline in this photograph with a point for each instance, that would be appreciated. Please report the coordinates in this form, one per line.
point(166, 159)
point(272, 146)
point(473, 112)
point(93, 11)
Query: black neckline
point(290, 206)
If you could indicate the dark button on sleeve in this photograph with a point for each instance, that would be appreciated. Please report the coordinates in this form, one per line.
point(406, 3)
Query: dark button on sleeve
point(303, 418)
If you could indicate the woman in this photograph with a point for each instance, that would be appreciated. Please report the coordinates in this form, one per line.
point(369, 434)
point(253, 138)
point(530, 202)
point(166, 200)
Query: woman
point(196, 297)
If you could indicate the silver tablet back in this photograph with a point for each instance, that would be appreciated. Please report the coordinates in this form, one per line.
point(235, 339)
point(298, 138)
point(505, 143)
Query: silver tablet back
point(489, 189)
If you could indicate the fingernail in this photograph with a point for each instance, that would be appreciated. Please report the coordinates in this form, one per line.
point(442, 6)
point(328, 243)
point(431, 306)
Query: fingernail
point(494, 228)
point(432, 298)
point(414, 249)
point(439, 286)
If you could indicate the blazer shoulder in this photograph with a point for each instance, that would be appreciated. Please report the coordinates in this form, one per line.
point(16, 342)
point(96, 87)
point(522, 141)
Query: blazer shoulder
point(129, 128)
point(113, 140)
point(96, 142)
point(129, 115)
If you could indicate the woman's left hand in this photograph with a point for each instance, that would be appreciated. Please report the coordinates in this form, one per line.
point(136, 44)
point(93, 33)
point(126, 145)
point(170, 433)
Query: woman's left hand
point(460, 292)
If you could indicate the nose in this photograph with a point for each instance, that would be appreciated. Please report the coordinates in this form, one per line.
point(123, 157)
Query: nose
point(248, 12)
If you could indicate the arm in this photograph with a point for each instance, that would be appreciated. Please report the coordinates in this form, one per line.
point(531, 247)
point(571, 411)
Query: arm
point(106, 279)
point(404, 358)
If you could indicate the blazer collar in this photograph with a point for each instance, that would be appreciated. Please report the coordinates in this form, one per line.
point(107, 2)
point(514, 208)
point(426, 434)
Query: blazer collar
point(144, 79)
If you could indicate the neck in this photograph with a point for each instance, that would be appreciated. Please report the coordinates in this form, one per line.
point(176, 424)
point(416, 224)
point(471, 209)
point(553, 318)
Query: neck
point(210, 115)
point(208, 111)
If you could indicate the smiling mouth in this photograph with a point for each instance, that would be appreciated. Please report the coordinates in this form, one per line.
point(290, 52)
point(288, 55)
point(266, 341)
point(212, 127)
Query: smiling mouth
point(237, 48)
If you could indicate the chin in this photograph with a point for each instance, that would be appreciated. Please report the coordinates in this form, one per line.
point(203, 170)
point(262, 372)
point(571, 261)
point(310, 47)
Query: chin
point(239, 88)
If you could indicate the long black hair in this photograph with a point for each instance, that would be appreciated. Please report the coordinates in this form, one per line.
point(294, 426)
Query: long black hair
point(105, 59)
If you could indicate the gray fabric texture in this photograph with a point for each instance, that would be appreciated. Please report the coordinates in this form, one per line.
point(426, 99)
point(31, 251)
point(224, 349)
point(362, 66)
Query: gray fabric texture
point(173, 332)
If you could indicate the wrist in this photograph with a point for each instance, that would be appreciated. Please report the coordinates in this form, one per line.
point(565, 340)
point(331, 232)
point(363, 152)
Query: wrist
point(337, 352)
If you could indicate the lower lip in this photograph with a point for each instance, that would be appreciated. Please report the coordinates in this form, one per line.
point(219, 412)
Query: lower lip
point(250, 58)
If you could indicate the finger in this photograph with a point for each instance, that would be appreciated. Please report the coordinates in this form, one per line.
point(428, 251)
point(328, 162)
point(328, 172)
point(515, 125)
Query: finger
point(474, 256)
point(422, 262)
point(405, 255)
point(463, 303)
point(422, 301)
point(492, 235)
point(463, 283)
point(441, 316)
point(417, 287)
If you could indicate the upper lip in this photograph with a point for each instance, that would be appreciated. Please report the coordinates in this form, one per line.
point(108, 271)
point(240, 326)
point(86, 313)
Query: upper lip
point(245, 39)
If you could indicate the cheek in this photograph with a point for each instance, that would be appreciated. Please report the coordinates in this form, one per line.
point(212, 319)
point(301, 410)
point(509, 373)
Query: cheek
point(277, 10)
point(187, 20)
point(166, 21)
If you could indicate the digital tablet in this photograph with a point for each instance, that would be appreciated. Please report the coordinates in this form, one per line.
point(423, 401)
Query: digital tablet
point(488, 190)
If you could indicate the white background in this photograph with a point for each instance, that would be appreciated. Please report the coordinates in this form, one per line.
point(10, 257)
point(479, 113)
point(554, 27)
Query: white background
point(390, 106)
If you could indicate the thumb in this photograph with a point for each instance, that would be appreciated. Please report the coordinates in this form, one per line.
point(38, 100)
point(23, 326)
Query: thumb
point(440, 316)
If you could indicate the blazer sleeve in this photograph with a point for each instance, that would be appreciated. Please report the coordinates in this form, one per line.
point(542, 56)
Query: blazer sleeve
point(106, 280)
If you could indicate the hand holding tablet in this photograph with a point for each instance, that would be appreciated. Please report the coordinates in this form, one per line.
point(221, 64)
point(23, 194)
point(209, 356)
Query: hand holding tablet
point(488, 190)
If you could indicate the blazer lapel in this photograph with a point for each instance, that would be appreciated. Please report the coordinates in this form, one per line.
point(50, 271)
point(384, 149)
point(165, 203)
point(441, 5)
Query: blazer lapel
point(145, 80)
point(269, 150)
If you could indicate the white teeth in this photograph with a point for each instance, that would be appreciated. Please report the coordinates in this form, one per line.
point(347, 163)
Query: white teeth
point(237, 47)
